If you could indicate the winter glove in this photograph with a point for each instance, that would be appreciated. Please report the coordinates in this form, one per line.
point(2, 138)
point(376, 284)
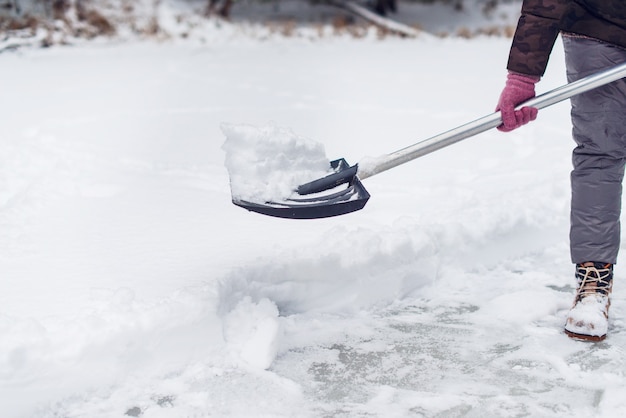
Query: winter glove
point(518, 89)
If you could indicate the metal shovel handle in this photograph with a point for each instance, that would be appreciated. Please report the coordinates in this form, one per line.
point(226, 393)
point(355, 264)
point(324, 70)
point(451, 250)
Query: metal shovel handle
point(488, 122)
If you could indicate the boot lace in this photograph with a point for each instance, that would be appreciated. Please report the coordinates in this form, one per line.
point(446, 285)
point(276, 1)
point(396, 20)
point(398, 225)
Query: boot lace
point(594, 280)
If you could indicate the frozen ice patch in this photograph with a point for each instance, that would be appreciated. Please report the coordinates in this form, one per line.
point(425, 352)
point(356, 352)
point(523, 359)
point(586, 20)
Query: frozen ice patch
point(268, 163)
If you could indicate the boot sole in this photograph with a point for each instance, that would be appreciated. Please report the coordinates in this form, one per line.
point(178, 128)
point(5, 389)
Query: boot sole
point(583, 337)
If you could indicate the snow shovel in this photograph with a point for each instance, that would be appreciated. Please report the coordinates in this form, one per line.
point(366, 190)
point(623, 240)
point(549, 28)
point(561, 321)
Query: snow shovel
point(342, 191)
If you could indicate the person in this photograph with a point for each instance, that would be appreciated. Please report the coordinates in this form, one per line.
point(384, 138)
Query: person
point(593, 33)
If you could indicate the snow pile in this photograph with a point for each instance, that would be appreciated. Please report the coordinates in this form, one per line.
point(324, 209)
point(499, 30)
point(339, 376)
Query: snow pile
point(376, 267)
point(268, 163)
point(252, 330)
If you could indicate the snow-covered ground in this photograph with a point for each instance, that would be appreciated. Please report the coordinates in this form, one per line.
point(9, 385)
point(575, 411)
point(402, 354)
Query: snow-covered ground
point(131, 286)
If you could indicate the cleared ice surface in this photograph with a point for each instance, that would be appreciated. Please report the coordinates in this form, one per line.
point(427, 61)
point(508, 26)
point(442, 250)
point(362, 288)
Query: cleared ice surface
point(434, 360)
point(267, 163)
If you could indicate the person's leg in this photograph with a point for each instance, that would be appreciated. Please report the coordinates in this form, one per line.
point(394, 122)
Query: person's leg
point(599, 129)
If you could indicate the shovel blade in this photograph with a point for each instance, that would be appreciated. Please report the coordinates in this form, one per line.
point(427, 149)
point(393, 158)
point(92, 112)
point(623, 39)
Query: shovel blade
point(320, 201)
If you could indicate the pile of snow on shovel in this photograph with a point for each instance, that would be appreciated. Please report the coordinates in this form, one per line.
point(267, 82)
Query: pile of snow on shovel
point(267, 163)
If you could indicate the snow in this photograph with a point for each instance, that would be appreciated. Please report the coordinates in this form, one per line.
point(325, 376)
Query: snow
point(256, 341)
point(130, 285)
point(267, 163)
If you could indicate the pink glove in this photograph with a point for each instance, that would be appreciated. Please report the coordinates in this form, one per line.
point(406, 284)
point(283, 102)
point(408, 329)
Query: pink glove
point(518, 89)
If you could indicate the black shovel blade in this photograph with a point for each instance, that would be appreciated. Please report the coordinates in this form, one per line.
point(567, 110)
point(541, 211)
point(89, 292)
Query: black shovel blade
point(336, 194)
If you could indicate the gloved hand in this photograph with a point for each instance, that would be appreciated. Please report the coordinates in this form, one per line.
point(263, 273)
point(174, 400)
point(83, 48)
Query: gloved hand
point(518, 89)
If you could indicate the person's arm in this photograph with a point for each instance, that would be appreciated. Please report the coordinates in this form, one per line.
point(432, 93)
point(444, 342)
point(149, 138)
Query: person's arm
point(537, 29)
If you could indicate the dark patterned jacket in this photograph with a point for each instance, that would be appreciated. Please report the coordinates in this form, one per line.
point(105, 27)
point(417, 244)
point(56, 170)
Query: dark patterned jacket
point(542, 20)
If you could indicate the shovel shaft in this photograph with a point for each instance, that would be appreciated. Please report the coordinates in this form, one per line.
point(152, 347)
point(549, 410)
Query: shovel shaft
point(487, 122)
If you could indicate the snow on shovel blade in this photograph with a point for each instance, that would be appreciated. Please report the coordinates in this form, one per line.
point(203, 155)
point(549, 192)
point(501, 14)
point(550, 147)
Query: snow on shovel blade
point(336, 194)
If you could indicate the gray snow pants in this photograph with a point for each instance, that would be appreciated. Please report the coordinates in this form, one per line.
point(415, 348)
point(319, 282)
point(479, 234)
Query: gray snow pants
point(599, 129)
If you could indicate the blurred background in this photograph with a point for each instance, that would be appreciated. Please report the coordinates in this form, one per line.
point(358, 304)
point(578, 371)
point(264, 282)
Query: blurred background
point(48, 22)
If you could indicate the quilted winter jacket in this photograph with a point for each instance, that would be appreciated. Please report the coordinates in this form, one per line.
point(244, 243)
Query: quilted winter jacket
point(542, 20)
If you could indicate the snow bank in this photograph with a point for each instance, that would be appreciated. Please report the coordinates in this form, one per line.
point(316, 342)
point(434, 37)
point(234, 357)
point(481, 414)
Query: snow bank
point(346, 271)
point(268, 163)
